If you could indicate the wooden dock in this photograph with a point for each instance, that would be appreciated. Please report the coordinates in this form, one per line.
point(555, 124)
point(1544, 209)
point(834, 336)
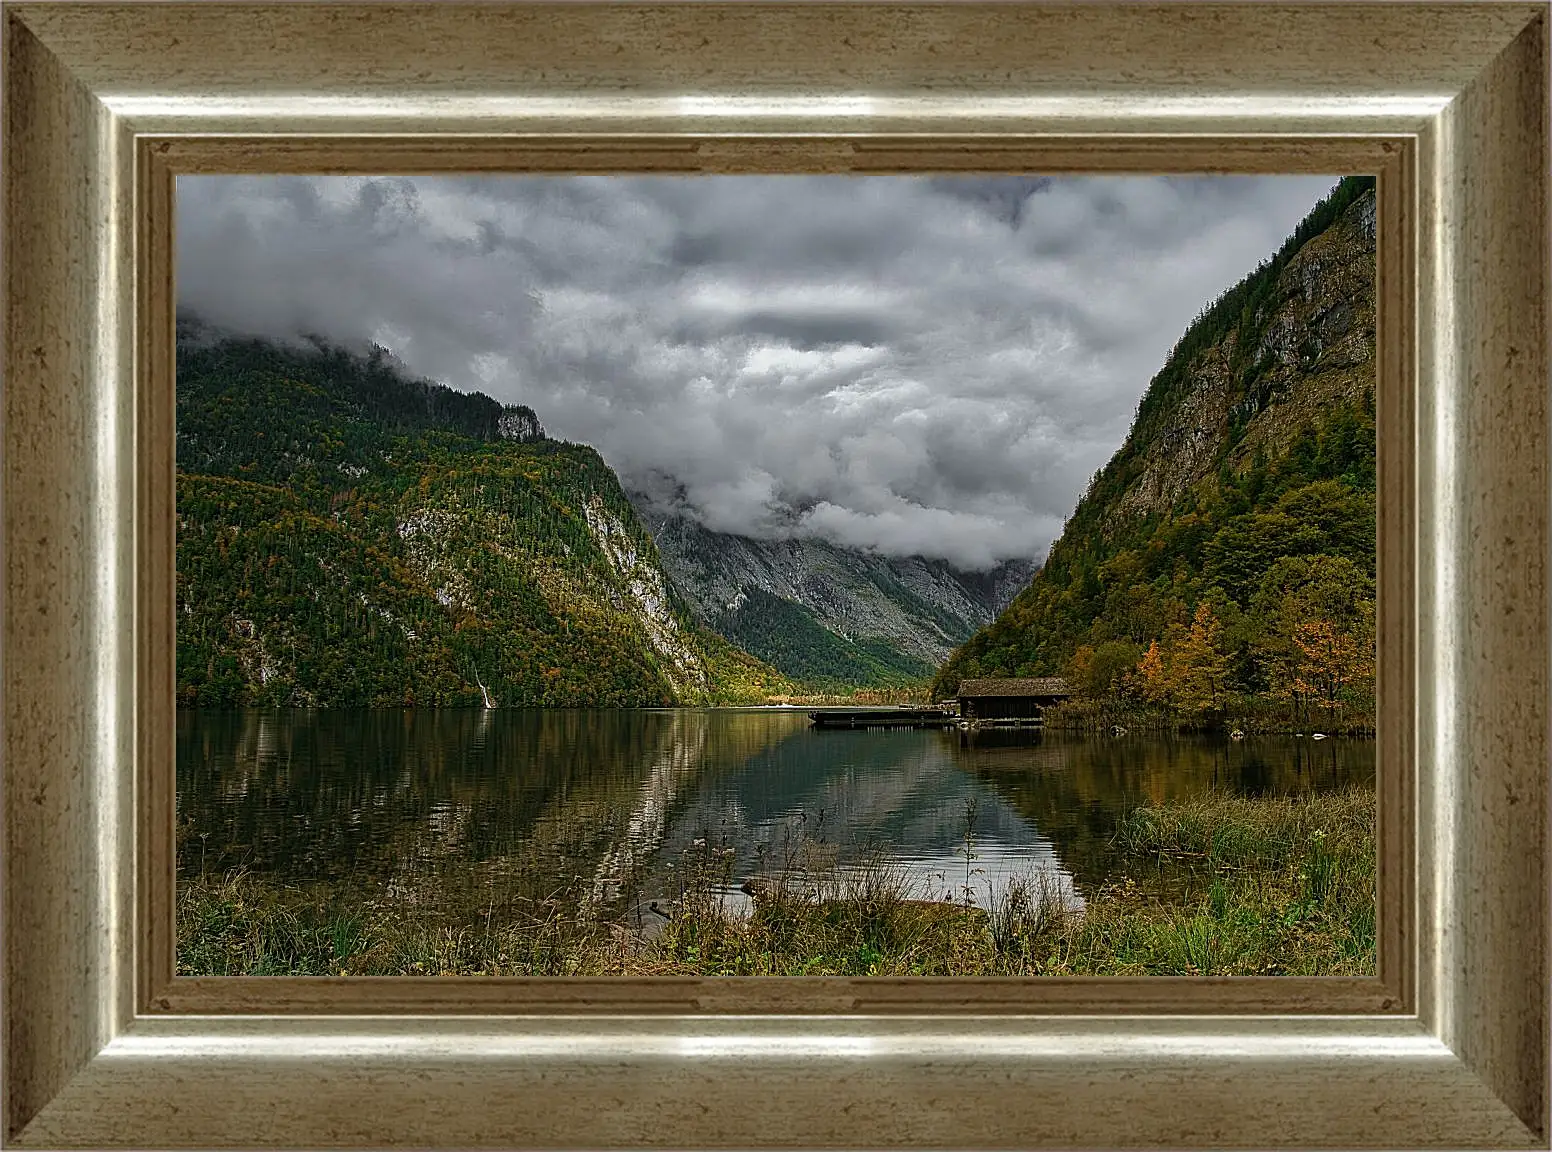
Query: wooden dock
point(883, 718)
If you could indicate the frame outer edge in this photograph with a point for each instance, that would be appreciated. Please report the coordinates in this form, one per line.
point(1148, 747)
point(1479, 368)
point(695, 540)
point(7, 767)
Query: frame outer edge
point(1486, 382)
point(720, 48)
point(68, 679)
point(742, 1083)
point(67, 767)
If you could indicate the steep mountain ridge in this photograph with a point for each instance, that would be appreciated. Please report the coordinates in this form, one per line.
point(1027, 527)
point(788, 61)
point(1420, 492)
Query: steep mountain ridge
point(350, 536)
point(1310, 353)
point(1237, 519)
point(818, 611)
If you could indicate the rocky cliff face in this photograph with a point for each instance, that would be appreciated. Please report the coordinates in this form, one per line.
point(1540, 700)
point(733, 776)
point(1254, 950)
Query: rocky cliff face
point(1307, 348)
point(915, 607)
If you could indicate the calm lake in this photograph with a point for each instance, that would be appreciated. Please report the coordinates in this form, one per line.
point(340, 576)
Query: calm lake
point(459, 807)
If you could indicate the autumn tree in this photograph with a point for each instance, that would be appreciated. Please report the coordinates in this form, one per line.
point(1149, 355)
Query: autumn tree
point(1319, 634)
point(1114, 673)
point(1199, 666)
point(1106, 673)
point(1153, 673)
point(1325, 661)
point(1335, 665)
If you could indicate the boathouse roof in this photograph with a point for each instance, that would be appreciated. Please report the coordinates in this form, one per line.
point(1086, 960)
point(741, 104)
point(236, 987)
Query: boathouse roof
point(1027, 686)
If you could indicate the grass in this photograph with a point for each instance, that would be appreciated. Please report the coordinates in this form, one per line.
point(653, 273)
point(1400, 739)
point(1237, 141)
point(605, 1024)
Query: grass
point(1217, 885)
point(1234, 886)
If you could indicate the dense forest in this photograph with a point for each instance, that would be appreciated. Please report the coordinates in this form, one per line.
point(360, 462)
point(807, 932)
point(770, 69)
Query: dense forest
point(1220, 568)
point(787, 636)
point(348, 535)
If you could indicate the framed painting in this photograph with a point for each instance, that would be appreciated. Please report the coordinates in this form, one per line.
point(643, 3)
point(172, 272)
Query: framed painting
point(464, 691)
point(113, 111)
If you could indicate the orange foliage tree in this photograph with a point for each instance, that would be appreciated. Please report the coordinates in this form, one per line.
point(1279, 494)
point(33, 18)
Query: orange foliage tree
point(1153, 671)
point(1199, 665)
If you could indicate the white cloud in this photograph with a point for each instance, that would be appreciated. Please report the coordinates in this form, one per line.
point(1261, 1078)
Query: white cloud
point(916, 365)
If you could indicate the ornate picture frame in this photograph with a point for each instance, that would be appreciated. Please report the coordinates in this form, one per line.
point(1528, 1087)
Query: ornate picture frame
point(106, 104)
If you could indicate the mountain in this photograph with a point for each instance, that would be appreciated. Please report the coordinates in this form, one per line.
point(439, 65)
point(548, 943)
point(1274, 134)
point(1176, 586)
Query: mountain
point(1223, 560)
point(348, 535)
point(825, 614)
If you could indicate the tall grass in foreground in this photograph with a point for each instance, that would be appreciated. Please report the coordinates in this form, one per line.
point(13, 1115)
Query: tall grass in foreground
point(1218, 885)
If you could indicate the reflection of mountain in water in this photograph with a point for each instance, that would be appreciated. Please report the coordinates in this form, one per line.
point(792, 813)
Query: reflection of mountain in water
point(896, 794)
point(373, 798)
point(673, 770)
point(444, 804)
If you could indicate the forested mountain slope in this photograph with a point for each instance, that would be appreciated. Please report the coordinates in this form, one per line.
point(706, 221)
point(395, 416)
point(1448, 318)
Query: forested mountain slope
point(1221, 564)
point(350, 536)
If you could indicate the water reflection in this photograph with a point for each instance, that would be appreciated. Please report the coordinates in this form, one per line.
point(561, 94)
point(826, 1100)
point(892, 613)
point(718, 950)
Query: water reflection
point(869, 796)
point(1074, 787)
point(455, 805)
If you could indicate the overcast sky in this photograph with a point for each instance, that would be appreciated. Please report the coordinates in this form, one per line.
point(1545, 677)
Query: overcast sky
point(916, 365)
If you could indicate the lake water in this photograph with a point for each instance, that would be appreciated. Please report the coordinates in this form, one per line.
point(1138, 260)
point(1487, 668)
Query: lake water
point(453, 805)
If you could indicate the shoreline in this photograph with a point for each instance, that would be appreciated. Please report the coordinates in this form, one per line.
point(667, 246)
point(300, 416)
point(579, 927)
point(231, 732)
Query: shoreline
point(1136, 730)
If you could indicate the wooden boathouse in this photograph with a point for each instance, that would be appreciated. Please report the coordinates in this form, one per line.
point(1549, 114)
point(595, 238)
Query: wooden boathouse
point(1015, 702)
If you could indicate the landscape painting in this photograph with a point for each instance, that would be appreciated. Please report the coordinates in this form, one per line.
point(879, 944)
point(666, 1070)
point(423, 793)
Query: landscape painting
point(776, 575)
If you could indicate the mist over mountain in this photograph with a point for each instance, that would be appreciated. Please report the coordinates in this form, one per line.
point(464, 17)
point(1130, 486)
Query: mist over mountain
point(350, 535)
point(814, 609)
point(915, 366)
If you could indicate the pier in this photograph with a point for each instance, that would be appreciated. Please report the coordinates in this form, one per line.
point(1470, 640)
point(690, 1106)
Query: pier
point(883, 718)
point(984, 705)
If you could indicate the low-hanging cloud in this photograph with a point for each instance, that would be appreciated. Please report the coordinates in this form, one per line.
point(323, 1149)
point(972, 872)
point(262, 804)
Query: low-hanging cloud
point(916, 365)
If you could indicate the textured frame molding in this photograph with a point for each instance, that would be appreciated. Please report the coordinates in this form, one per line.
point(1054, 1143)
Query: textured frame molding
point(104, 104)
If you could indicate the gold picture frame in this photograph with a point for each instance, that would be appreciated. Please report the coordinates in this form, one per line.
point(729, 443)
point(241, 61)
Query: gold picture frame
point(105, 104)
